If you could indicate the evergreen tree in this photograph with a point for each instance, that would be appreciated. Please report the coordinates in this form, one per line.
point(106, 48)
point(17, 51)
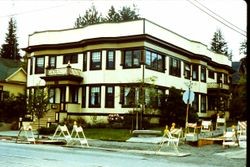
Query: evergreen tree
point(113, 16)
point(218, 44)
point(128, 14)
point(173, 109)
point(90, 17)
point(10, 48)
point(243, 47)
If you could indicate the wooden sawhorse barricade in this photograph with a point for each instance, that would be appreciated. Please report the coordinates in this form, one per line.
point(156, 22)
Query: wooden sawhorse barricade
point(77, 136)
point(26, 135)
point(172, 137)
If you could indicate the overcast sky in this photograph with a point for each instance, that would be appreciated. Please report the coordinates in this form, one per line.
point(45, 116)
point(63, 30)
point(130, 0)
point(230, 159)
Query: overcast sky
point(179, 16)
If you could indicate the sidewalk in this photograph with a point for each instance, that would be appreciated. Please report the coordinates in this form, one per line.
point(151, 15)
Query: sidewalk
point(151, 148)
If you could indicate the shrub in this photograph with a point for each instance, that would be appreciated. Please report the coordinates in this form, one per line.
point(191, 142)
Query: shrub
point(47, 131)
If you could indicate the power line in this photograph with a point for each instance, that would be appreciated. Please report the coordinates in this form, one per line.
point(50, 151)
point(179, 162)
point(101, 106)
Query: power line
point(216, 18)
point(219, 16)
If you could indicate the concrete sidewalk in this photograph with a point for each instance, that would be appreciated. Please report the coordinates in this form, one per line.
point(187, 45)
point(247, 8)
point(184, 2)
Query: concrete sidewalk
point(144, 146)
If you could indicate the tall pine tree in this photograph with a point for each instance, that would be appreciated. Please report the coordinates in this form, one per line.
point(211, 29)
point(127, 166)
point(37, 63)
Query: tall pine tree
point(218, 44)
point(90, 17)
point(10, 48)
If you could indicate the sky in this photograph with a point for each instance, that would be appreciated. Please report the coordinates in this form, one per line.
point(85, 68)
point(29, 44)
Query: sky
point(193, 19)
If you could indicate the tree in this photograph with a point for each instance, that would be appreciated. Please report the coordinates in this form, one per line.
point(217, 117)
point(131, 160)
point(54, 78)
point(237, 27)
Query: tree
point(10, 48)
point(173, 109)
point(218, 44)
point(113, 16)
point(243, 47)
point(90, 17)
point(128, 14)
point(38, 103)
point(12, 107)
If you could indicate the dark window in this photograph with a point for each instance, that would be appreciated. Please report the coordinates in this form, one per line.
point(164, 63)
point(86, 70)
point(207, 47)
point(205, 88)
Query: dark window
point(155, 61)
point(132, 58)
point(52, 61)
point(203, 103)
point(129, 96)
point(95, 96)
point(219, 77)
point(225, 78)
point(70, 58)
point(211, 74)
point(109, 99)
point(203, 74)
point(195, 104)
point(110, 59)
point(95, 61)
point(195, 72)
point(31, 65)
point(212, 103)
point(84, 68)
point(52, 95)
point(62, 94)
point(83, 96)
point(175, 67)
point(74, 94)
point(39, 68)
point(187, 70)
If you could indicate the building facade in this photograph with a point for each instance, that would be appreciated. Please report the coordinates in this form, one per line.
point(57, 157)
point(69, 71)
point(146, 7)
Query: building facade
point(12, 78)
point(97, 70)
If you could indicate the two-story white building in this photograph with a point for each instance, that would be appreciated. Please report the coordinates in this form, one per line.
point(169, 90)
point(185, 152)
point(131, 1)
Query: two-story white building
point(96, 70)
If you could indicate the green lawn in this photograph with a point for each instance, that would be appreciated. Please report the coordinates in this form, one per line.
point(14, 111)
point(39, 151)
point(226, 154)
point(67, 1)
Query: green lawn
point(108, 134)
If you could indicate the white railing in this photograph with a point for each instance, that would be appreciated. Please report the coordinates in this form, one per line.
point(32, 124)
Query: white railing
point(218, 85)
point(63, 72)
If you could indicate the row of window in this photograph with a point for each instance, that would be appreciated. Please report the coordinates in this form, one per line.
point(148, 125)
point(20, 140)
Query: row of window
point(129, 97)
point(132, 59)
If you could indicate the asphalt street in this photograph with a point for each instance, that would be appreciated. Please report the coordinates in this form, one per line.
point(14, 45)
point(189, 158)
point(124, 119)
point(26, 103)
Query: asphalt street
point(111, 153)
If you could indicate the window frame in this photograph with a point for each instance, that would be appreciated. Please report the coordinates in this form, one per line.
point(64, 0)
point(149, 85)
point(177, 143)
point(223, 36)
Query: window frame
point(135, 92)
point(98, 105)
point(92, 66)
point(39, 70)
point(187, 72)
point(52, 97)
point(74, 94)
point(195, 69)
point(203, 103)
point(109, 97)
point(211, 74)
point(108, 67)
point(71, 58)
point(175, 71)
point(132, 58)
point(203, 72)
point(219, 77)
point(54, 66)
point(159, 65)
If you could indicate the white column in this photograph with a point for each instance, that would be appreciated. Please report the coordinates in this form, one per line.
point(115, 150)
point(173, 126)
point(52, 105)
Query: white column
point(67, 94)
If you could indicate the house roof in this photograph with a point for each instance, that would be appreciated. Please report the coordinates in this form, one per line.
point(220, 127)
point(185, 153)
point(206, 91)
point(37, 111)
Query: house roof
point(8, 67)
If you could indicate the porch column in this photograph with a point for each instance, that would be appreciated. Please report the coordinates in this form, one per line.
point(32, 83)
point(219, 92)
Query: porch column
point(67, 94)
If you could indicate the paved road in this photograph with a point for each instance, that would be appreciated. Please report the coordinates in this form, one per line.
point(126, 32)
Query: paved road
point(29, 155)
